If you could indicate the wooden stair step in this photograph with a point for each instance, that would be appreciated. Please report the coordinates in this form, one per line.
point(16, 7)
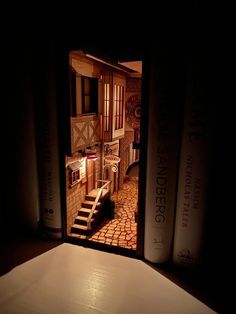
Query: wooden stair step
point(93, 194)
point(83, 220)
point(80, 229)
point(86, 211)
point(77, 236)
point(89, 204)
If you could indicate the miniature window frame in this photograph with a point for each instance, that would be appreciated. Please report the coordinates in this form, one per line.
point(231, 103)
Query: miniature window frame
point(74, 174)
point(74, 177)
point(89, 95)
point(118, 100)
point(106, 107)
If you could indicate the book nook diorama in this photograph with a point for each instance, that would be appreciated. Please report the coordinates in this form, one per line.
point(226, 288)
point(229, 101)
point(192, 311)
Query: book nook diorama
point(102, 162)
point(102, 206)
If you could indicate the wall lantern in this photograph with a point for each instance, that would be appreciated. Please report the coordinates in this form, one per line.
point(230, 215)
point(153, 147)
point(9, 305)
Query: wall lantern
point(90, 154)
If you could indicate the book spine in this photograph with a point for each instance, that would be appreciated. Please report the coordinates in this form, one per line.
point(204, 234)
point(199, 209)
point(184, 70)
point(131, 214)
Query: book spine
point(194, 171)
point(192, 185)
point(50, 205)
point(161, 171)
point(48, 144)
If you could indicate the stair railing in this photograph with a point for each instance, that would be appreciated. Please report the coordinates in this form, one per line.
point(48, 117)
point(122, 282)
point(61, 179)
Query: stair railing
point(106, 184)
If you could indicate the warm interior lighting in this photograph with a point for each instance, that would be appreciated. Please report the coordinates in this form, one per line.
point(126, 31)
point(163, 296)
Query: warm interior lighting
point(106, 107)
point(92, 157)
point(91, 154)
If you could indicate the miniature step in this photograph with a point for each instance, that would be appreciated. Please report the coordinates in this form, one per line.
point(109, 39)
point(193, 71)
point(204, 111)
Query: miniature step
point(93, 194)
point(89, 204)
point(77, 236)
point(76, 228)
point(82, 220)
point(86, 211)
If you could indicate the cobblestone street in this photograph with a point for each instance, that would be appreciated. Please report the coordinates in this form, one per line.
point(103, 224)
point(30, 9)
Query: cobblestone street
point(121, 231)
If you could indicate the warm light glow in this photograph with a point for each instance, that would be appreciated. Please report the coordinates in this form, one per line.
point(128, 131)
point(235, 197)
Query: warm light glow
point(92, 157)
point(83, 168)
point(91, 154)
point(118, 106)
point(106, 107)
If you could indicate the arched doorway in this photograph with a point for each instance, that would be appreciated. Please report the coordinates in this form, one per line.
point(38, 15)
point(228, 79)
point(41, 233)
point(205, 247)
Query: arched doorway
point(133, 170)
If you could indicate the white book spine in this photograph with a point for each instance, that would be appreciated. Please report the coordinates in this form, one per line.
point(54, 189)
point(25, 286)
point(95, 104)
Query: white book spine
point(161, 180)
point(192, 186)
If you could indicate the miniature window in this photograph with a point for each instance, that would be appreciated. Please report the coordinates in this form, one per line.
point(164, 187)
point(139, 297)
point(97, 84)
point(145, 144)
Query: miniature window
point(84, 95)
point(89, 95)
point(106, 107)
point(74, 173)
point(118, 106)
point(75, 176)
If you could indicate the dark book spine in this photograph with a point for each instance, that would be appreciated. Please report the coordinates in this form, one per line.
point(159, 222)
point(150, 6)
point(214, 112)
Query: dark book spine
point(192, 187)
point(193, 180)
point(162, 161)
point(48, 142)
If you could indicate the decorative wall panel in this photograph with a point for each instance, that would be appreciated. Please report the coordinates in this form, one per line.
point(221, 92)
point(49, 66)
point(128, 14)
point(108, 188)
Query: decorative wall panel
point(85, 131)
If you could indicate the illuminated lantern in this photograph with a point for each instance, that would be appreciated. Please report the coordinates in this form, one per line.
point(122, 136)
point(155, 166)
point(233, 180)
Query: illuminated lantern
point(90, 154)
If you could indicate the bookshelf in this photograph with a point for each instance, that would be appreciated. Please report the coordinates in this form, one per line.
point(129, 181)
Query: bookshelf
point(211, 280)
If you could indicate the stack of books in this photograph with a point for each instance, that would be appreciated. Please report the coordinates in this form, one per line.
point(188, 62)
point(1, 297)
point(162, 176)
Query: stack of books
point(178, 152)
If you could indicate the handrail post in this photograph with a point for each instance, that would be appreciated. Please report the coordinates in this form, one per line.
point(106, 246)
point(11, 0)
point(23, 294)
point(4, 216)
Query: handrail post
point(96, 200)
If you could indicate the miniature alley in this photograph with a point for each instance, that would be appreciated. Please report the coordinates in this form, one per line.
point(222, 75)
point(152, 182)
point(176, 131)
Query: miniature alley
point(122, 230)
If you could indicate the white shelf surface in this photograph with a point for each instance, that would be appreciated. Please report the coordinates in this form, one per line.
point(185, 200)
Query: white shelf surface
point(74, 279)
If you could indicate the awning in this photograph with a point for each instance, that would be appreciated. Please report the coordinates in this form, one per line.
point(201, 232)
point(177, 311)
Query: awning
point(75, 165)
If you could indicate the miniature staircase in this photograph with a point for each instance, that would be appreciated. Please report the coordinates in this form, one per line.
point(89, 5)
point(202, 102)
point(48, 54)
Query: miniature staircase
point(91, 213)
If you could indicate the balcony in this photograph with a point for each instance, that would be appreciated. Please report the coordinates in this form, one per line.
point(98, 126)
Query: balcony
point(85, 131)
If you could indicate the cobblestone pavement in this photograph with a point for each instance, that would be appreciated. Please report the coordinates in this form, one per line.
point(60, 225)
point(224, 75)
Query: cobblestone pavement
point(121, 231)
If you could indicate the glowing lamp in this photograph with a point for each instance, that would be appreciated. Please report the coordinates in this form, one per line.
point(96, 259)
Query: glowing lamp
point(91, 154)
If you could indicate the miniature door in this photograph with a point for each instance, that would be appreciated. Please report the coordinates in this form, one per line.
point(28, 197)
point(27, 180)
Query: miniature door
point(90, 175)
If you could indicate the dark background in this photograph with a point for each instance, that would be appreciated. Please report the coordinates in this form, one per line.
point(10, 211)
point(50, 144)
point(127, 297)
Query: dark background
point(197, 35)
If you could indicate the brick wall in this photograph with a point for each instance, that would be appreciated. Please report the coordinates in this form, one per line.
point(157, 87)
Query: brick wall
point(74, 196)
